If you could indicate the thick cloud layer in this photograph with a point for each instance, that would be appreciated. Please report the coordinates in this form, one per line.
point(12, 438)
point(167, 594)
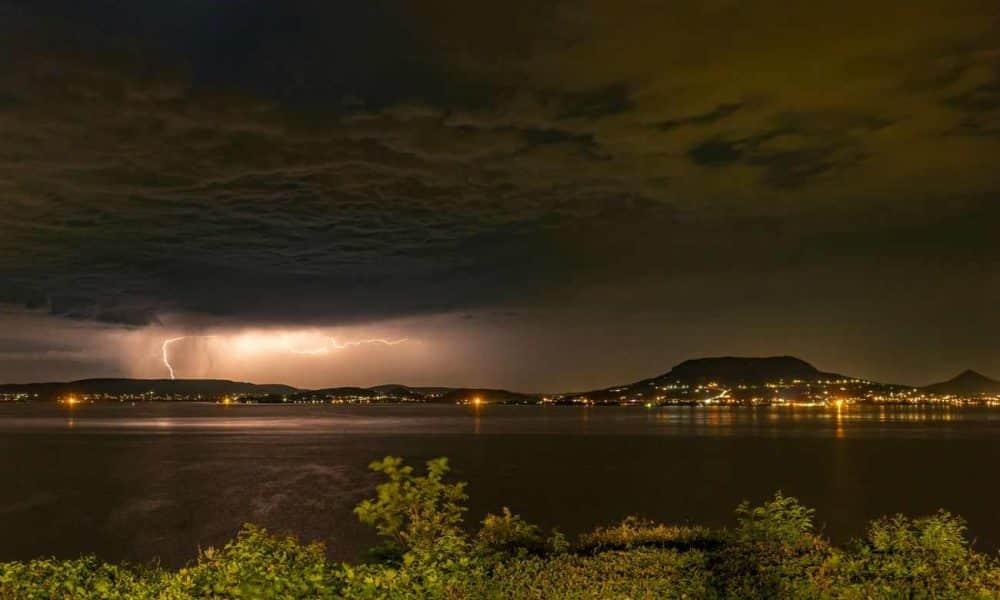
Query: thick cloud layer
point(314, 164)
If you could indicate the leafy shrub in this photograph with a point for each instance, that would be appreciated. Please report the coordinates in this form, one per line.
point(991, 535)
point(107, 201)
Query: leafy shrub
point(87, 577)
point(508, 534)
point(415, 513)
point(634, 574)
point(771, 553)
point(927, 557)
point(635, 531)
point(782, 519)
point(421, 517)
point(258, 564)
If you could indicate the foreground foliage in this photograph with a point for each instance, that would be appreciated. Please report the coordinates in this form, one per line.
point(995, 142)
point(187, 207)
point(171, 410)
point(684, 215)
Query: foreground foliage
point(772, 552)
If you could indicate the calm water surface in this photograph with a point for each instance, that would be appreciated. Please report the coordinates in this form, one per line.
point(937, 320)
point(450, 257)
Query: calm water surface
point(159, 480)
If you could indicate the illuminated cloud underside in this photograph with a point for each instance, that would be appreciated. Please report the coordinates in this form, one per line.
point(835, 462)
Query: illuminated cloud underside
point(273, 343)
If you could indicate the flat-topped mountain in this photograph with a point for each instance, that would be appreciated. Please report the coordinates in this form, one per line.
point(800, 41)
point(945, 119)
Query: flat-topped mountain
point(967, 383)
point(745, 370)
point(160, 387)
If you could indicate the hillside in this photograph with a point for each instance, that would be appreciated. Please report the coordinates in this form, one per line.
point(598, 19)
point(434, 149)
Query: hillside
point(726, 371)
point(420, 394)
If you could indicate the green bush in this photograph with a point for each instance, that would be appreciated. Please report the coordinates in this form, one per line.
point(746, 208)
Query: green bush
point(258, 564)
point(508, 535)
point(781, 520)
point(772, 552)
point(638, 573)
point(928, 557)
point(87, 577)
point(415, 513)
point(421, 519)
point(634, 531)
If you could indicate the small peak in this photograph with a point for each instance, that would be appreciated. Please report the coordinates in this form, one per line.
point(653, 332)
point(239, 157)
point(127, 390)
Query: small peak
point(970, 374)
point(966, 382)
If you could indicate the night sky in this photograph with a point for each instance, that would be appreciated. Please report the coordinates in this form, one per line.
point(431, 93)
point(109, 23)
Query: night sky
point(543, 196)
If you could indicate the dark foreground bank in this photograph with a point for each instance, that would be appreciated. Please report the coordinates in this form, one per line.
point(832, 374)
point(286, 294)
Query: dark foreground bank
point(773, 551)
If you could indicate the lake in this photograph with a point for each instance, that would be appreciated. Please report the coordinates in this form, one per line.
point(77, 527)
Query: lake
point(161, 480)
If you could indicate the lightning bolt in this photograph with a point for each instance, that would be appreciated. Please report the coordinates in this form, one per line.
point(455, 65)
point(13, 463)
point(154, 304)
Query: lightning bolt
point(166, 354)
point(332, 344)
point(341, 346)
point(164, 350)
point(311, 352)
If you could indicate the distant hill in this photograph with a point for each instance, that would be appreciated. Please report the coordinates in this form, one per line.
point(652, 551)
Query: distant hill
point(205, 387)
point(422, 394)
point(967, 383)
point(398, 392)
point(458, 395)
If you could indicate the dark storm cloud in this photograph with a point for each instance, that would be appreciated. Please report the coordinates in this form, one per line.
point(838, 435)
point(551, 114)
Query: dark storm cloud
point(300, 53)
point(540, 137)
point(706, 118)
point(9, 347)
point(238, 212)
point(606, 101)
point(799, 150)
point(980, 107)
point(323, 162)
point(965, 78)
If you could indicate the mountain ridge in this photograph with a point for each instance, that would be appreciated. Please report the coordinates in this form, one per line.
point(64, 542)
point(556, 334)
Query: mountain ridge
point(729, 371)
